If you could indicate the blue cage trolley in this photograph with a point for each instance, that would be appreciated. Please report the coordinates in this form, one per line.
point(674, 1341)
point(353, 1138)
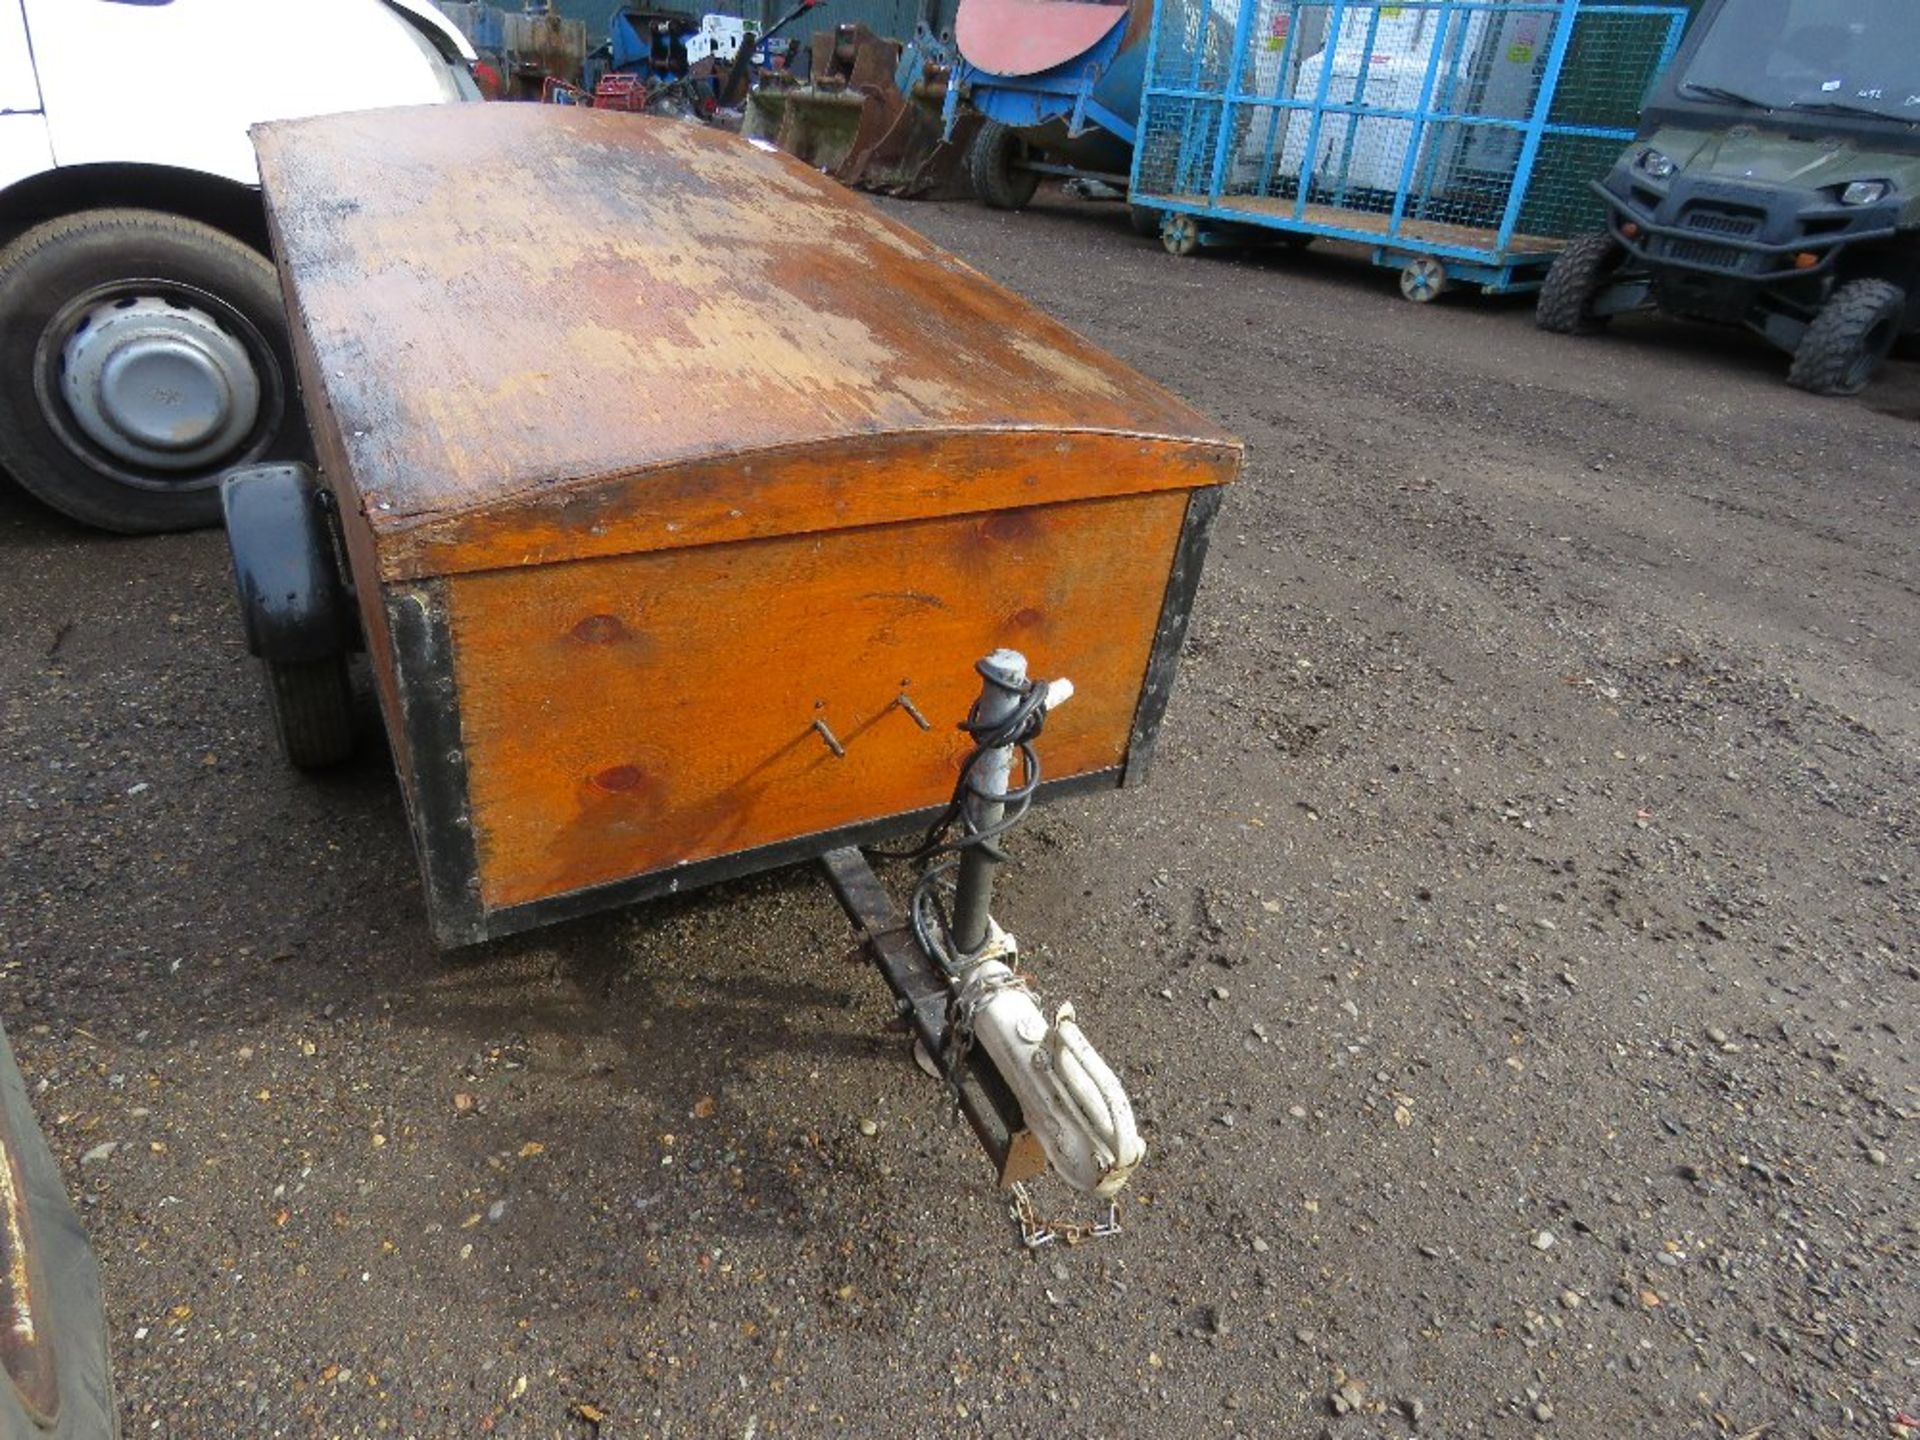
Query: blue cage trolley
point(1453, 138)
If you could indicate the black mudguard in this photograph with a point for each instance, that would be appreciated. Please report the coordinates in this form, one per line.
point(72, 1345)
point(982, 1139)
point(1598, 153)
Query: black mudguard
point(286, 567)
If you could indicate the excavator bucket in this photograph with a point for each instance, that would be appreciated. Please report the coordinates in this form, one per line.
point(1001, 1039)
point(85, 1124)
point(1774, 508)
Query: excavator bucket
point(852, 120)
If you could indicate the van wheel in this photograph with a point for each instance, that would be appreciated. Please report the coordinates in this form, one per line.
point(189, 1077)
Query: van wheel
point(1850, 337)
point(141, 355)
point(995, 162)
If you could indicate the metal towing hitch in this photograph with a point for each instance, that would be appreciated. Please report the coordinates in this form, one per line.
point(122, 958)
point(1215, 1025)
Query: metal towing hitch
point(1033, 1088)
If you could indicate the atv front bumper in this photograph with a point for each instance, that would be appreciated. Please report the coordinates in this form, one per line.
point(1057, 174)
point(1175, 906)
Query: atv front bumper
point(1713, 230)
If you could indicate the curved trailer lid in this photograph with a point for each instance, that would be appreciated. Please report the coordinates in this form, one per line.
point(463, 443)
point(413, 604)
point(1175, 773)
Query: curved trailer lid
point(539, 332)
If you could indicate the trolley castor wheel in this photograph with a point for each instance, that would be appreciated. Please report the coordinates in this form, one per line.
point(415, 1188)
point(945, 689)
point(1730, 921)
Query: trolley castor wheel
point(1180, 234)
point(1424, 280)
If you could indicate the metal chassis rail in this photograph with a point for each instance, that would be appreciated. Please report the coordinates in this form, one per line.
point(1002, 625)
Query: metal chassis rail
point(922, 998)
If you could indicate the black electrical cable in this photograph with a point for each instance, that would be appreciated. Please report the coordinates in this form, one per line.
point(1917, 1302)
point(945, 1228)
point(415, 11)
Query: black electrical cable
point(1019, 730)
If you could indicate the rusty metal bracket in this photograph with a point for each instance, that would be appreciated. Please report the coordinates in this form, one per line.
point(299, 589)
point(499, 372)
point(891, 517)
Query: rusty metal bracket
point(923, 998)
point(825, 732)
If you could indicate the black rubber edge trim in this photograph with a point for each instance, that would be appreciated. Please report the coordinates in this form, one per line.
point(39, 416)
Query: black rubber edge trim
point(437, 798)
point(1176, 610)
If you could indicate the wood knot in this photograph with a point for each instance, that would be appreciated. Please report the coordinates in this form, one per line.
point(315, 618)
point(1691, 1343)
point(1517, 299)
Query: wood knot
point(599, 630)
point(619, 779)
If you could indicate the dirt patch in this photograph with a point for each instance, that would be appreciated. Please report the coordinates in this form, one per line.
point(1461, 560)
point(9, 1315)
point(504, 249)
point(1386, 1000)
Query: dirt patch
point(1513, 956)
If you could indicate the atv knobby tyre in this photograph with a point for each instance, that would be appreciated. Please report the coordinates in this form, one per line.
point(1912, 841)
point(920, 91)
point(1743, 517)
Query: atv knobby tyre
point(995, 161)
point(1850, 337)
point(1580, 272)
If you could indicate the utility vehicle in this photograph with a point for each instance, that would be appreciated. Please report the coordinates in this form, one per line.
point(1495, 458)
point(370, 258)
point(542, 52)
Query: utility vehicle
point(1775, 184)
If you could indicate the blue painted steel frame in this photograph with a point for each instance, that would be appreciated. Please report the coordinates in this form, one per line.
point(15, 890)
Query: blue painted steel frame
point(1025, 101)
point(1492, 266)
point(1242, 39)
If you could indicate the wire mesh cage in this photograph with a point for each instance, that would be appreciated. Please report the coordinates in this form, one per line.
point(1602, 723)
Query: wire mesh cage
point(1465, 129)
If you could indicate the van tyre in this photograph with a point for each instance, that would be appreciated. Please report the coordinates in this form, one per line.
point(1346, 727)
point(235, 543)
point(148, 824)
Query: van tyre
point(994, 162)
point(1850, 337)
point(141, 355)
point(312, 703)
point(1580, 272)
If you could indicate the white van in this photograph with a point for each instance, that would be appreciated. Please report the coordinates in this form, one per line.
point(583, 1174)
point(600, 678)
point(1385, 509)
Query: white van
point(143, 348)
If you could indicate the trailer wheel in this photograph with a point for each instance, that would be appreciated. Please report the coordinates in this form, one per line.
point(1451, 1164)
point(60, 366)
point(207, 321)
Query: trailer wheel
point(1144, 219)
point(1179, 234)
point(294, 605)
point(1850, 337)
point(1580, 272)
point(312, 704)
point(140, 355)
point(995, 161)
point(1424, 280)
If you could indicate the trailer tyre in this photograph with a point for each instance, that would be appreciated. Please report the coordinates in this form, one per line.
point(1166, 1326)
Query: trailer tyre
point(1580, 272)
point(1144, 220)
point(312, 703)
point(141, 355)
point(1850, 337)
point(995, 160)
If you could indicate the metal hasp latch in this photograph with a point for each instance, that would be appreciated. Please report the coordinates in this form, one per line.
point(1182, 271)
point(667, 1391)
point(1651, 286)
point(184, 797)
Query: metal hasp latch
point(1034, 1089)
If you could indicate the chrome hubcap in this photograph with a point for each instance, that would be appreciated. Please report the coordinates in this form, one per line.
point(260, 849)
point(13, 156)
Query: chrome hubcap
point(158, 384)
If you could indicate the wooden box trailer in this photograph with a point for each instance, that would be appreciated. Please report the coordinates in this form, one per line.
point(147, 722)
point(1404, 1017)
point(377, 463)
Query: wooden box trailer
point(678, 491)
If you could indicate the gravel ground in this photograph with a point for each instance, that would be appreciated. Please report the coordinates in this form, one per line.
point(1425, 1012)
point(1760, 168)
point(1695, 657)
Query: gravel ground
point(1514, 960)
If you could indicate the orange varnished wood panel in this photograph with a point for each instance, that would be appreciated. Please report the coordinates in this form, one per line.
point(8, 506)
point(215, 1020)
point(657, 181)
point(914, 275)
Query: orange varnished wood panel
point(856, 480)
point(623, 715)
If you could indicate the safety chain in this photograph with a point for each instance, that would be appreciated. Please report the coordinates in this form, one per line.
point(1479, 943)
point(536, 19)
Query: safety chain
point(1036, 1234)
